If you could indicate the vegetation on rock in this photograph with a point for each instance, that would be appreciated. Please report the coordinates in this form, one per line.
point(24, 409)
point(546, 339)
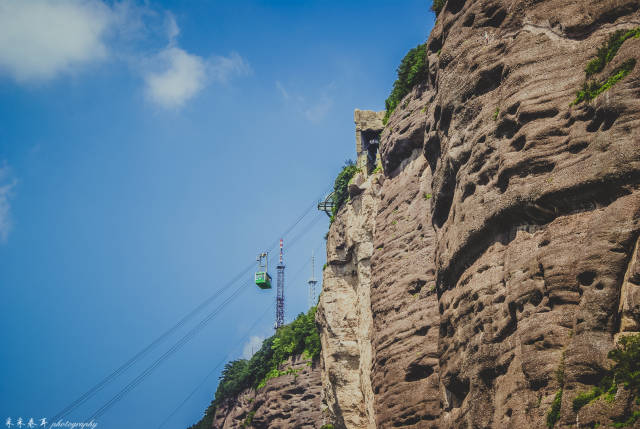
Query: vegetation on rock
point(411, 71)
point(625, 371)
point(298, 337)
point(341, 186)
point(606, 53)
point(554, 412)
point(609, 50)
point(437, 6)
point(591, 90)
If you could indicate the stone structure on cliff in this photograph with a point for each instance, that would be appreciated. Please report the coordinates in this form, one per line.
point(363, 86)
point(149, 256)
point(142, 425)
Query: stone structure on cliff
point(488, 270)
point(368, 129)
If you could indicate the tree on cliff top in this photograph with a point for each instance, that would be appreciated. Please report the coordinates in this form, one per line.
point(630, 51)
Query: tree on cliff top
point(437, 6)
point(300, 337)
point(411, 71)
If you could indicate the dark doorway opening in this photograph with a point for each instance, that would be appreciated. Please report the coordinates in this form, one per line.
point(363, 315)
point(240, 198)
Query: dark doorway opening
point(370, 144)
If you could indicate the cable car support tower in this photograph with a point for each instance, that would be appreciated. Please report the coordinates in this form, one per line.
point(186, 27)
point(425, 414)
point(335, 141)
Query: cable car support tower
point(312, 283)
point(280, 291)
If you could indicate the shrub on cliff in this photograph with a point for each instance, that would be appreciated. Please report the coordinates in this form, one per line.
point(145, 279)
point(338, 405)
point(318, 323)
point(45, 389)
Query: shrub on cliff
point(437, 6)
point(299, 337)
point(609, 50)
point(411, 71)
point(341, 186)
point(625, 371)
point(605, 54)
point(626, 356)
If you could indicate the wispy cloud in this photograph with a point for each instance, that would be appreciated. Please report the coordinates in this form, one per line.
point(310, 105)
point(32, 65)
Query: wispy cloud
point(222, 69)
point(181, 77)
point(173, 31)
point(252, 346)
point(283, 91)
point(316, 109)
point(40, 39)
point(7, 184)
point(178, 76)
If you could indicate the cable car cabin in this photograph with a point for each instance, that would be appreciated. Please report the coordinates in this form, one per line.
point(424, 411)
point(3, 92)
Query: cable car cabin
point(263, 280)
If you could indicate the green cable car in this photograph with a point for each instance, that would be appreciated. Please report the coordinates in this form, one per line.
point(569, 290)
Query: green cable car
point(263, 279)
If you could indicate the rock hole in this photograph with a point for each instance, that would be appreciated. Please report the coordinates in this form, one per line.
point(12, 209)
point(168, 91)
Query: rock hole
point(506, 128)
point(435, 45)
point(578, 147)
point(536, 298)
point(432, 151)
point(469, 190)
point(534, 115)
point(417, 371)
point(513, 108)
point(455, 6)
point(459, 389)
point(494, 15)
point(519, 143)
point(442, 204)
point(489, 80)
point(468, 19)
point(445, 122)
point(586, 277)
point(603, 117)
point(422, 331)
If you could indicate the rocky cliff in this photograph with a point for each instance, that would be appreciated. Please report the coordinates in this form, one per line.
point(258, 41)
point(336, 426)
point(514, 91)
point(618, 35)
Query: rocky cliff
point(480, 279)
point(288, 401)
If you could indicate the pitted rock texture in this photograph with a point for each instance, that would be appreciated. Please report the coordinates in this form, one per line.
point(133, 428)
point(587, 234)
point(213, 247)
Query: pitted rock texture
point(536, 204)
point(344, 309)
point(285, 402)
point(530, 234)
point(404, 302)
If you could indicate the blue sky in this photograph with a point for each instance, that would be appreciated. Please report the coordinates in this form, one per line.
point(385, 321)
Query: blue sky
point(148, 152)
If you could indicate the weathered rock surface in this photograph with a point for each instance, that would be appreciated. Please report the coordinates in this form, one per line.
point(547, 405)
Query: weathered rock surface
point(496, 259)
point(530, 237)
point(285, 402)
point(344, 310)
point(404, 302)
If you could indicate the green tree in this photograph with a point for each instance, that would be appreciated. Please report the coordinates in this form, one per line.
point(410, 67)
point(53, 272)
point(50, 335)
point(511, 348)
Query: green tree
point(341, 185)
point(412, 70)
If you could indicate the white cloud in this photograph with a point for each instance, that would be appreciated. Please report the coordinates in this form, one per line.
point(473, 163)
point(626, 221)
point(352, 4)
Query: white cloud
point(183, 75)
point(40, 39)
point(177, 75)
point(6, 187)
point(252, 346)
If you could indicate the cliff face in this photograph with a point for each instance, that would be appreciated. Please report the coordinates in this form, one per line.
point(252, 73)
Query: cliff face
point(344, 310)
point(288, 401)
point(492, 265)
